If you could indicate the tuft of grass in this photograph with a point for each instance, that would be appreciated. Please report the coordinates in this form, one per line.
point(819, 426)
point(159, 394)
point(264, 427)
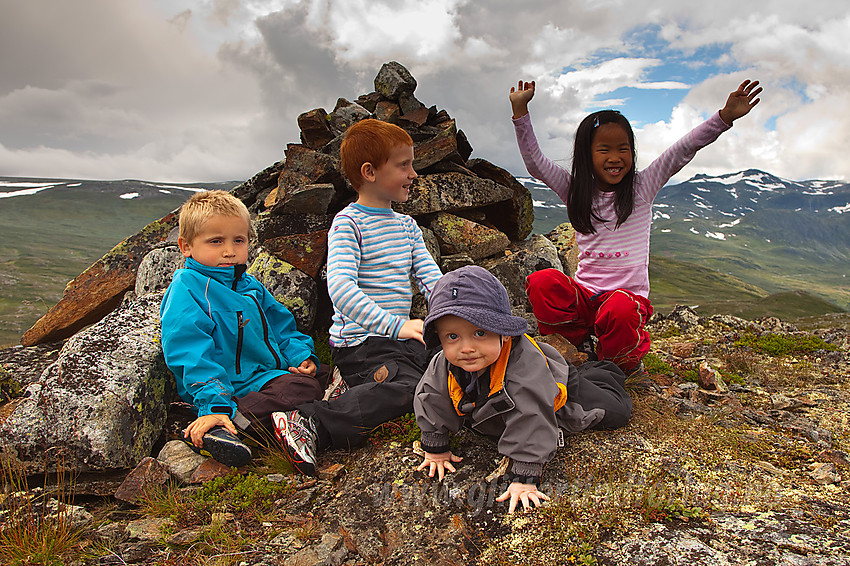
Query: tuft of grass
point(403, 429)
point(784, 344)
point(29, 534)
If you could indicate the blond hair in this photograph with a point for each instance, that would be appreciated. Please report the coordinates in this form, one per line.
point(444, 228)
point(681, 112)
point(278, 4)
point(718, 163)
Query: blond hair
point(206, 204)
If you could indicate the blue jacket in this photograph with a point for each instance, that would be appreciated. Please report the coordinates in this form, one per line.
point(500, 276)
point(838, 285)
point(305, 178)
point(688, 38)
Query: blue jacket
point(225, 335)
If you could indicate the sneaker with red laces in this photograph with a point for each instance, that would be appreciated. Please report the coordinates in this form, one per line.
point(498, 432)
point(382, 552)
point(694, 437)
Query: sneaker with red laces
point(299, 437)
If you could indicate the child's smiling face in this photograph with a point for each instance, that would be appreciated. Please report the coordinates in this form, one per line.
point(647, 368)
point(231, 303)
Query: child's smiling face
point(465, 345)
point(612, 155)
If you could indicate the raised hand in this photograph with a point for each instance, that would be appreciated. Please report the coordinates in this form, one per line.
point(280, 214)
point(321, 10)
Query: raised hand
point(520, 96)
point(741, 101)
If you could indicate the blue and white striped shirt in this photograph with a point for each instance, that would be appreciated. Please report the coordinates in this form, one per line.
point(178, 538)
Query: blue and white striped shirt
point(372, 254)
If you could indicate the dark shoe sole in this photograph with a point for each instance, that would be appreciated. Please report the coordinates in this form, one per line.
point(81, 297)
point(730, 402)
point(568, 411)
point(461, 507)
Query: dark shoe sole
point(229, 453)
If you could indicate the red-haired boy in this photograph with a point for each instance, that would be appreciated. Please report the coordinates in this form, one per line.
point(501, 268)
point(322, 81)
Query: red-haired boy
point(373, 252)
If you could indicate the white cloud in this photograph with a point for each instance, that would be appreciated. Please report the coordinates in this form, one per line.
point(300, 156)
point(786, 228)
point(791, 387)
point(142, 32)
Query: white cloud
point(210, 89)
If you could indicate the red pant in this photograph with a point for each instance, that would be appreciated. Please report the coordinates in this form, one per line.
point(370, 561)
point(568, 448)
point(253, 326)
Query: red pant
point(617, 318)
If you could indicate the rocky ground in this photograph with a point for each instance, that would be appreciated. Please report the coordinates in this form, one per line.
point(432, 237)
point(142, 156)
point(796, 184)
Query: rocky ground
point(741, 462)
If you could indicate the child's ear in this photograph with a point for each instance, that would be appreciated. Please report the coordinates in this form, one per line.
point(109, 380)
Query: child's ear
point(185, 248)
point(368, 172)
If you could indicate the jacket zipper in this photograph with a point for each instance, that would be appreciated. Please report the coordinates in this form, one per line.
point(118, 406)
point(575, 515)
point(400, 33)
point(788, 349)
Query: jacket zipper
point(266, 332)
point(240, 324)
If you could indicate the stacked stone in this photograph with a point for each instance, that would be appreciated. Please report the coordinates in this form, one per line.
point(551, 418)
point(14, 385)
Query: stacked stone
point(470, 210)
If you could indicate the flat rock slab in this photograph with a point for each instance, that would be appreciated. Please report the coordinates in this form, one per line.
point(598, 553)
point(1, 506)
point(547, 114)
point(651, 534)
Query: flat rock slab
point(448, 192)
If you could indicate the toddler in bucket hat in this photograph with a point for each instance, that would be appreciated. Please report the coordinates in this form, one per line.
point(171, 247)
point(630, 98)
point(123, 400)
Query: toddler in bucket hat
point(475, 295)
point(495, 379)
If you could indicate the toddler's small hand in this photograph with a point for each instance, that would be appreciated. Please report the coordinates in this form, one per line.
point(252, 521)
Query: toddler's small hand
point(412, 329)
point(439, 463)
point(525, 492)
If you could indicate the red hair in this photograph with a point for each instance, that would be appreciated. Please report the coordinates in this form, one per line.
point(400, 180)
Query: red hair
point(369, 141)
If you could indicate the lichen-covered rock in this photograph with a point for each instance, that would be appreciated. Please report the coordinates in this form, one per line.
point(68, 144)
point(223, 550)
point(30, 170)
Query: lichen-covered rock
point(447, 192)
point(268, 227)
point(293, 288)
point(564, 238)
point(304, 251)
point(516, 220)
point(100, 288)
point(387, 111)
point(441, 147)
point(101, 405)
point(315, 131)
point(459, 235)
point(455, 261)
point(21, 366)
point(524, 258)
point(431, 244)
point(150, 472)
point(345, 115)
point(180, 460)
point(306, 199)
point(157, 269)
point(305, 167)
point(253, 191)
point(393, 80)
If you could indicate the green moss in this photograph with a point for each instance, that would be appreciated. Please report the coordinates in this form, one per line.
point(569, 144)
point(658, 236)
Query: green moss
point(691, 375)
point(322, 346)
point(238, 493)
point(10, 388)
point(655, 365)
point(403, 430)
point(784, 344)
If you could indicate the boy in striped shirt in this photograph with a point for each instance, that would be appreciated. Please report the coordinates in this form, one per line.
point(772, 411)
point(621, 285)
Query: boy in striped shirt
point(373, 254)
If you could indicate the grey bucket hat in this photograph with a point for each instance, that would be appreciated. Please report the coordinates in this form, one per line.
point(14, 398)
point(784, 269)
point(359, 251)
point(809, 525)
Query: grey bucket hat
point(475, 295)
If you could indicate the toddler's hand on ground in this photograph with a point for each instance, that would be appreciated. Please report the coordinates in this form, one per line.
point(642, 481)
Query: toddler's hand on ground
point(202, 425)
point(439, 463)
point(412, 329)
point(307, 367)
point(525, 492)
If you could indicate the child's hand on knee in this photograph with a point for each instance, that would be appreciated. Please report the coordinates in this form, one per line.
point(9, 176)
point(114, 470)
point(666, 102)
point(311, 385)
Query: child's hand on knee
point(307, 367)
point(202, 425)
point(439, 463)
point(412, 329)
point(525, 492)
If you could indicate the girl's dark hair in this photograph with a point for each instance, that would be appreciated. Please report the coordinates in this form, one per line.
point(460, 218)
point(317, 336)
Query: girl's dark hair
point(583, 185)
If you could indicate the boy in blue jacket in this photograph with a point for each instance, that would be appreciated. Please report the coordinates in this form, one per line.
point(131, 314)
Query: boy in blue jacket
point(234, 350)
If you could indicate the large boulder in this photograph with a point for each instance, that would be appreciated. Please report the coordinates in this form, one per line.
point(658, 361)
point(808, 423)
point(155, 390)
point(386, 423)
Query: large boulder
point(100, 288)
point(315, 131)
point(517, 219)
point(394, 80)
point(293, 288)
point(102, 405)
point(564, 238)
point(459, 235)
point(437, 148)
point(522, 260)
point(306, 252)
point(448, 192)
point(157, 269)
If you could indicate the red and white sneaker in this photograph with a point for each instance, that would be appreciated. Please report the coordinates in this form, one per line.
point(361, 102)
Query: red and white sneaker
point(299, 437)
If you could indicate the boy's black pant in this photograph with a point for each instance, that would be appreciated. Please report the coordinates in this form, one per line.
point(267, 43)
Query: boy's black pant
point(382, 374)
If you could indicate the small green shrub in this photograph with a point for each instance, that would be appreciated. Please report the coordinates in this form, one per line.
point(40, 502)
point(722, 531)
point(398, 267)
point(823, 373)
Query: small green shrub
point(784, 344)
point(654, 365)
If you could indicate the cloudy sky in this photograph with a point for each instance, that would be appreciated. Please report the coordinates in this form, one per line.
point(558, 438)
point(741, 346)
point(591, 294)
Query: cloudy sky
point(194, 90)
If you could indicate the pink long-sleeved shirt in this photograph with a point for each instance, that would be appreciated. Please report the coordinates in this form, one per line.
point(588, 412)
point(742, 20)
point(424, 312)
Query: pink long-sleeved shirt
point(617, 259)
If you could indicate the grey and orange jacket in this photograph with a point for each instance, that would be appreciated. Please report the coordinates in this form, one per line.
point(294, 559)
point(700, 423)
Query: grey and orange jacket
point(524, 398)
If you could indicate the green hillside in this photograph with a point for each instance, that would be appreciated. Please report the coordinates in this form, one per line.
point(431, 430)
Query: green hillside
point(713, 292)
